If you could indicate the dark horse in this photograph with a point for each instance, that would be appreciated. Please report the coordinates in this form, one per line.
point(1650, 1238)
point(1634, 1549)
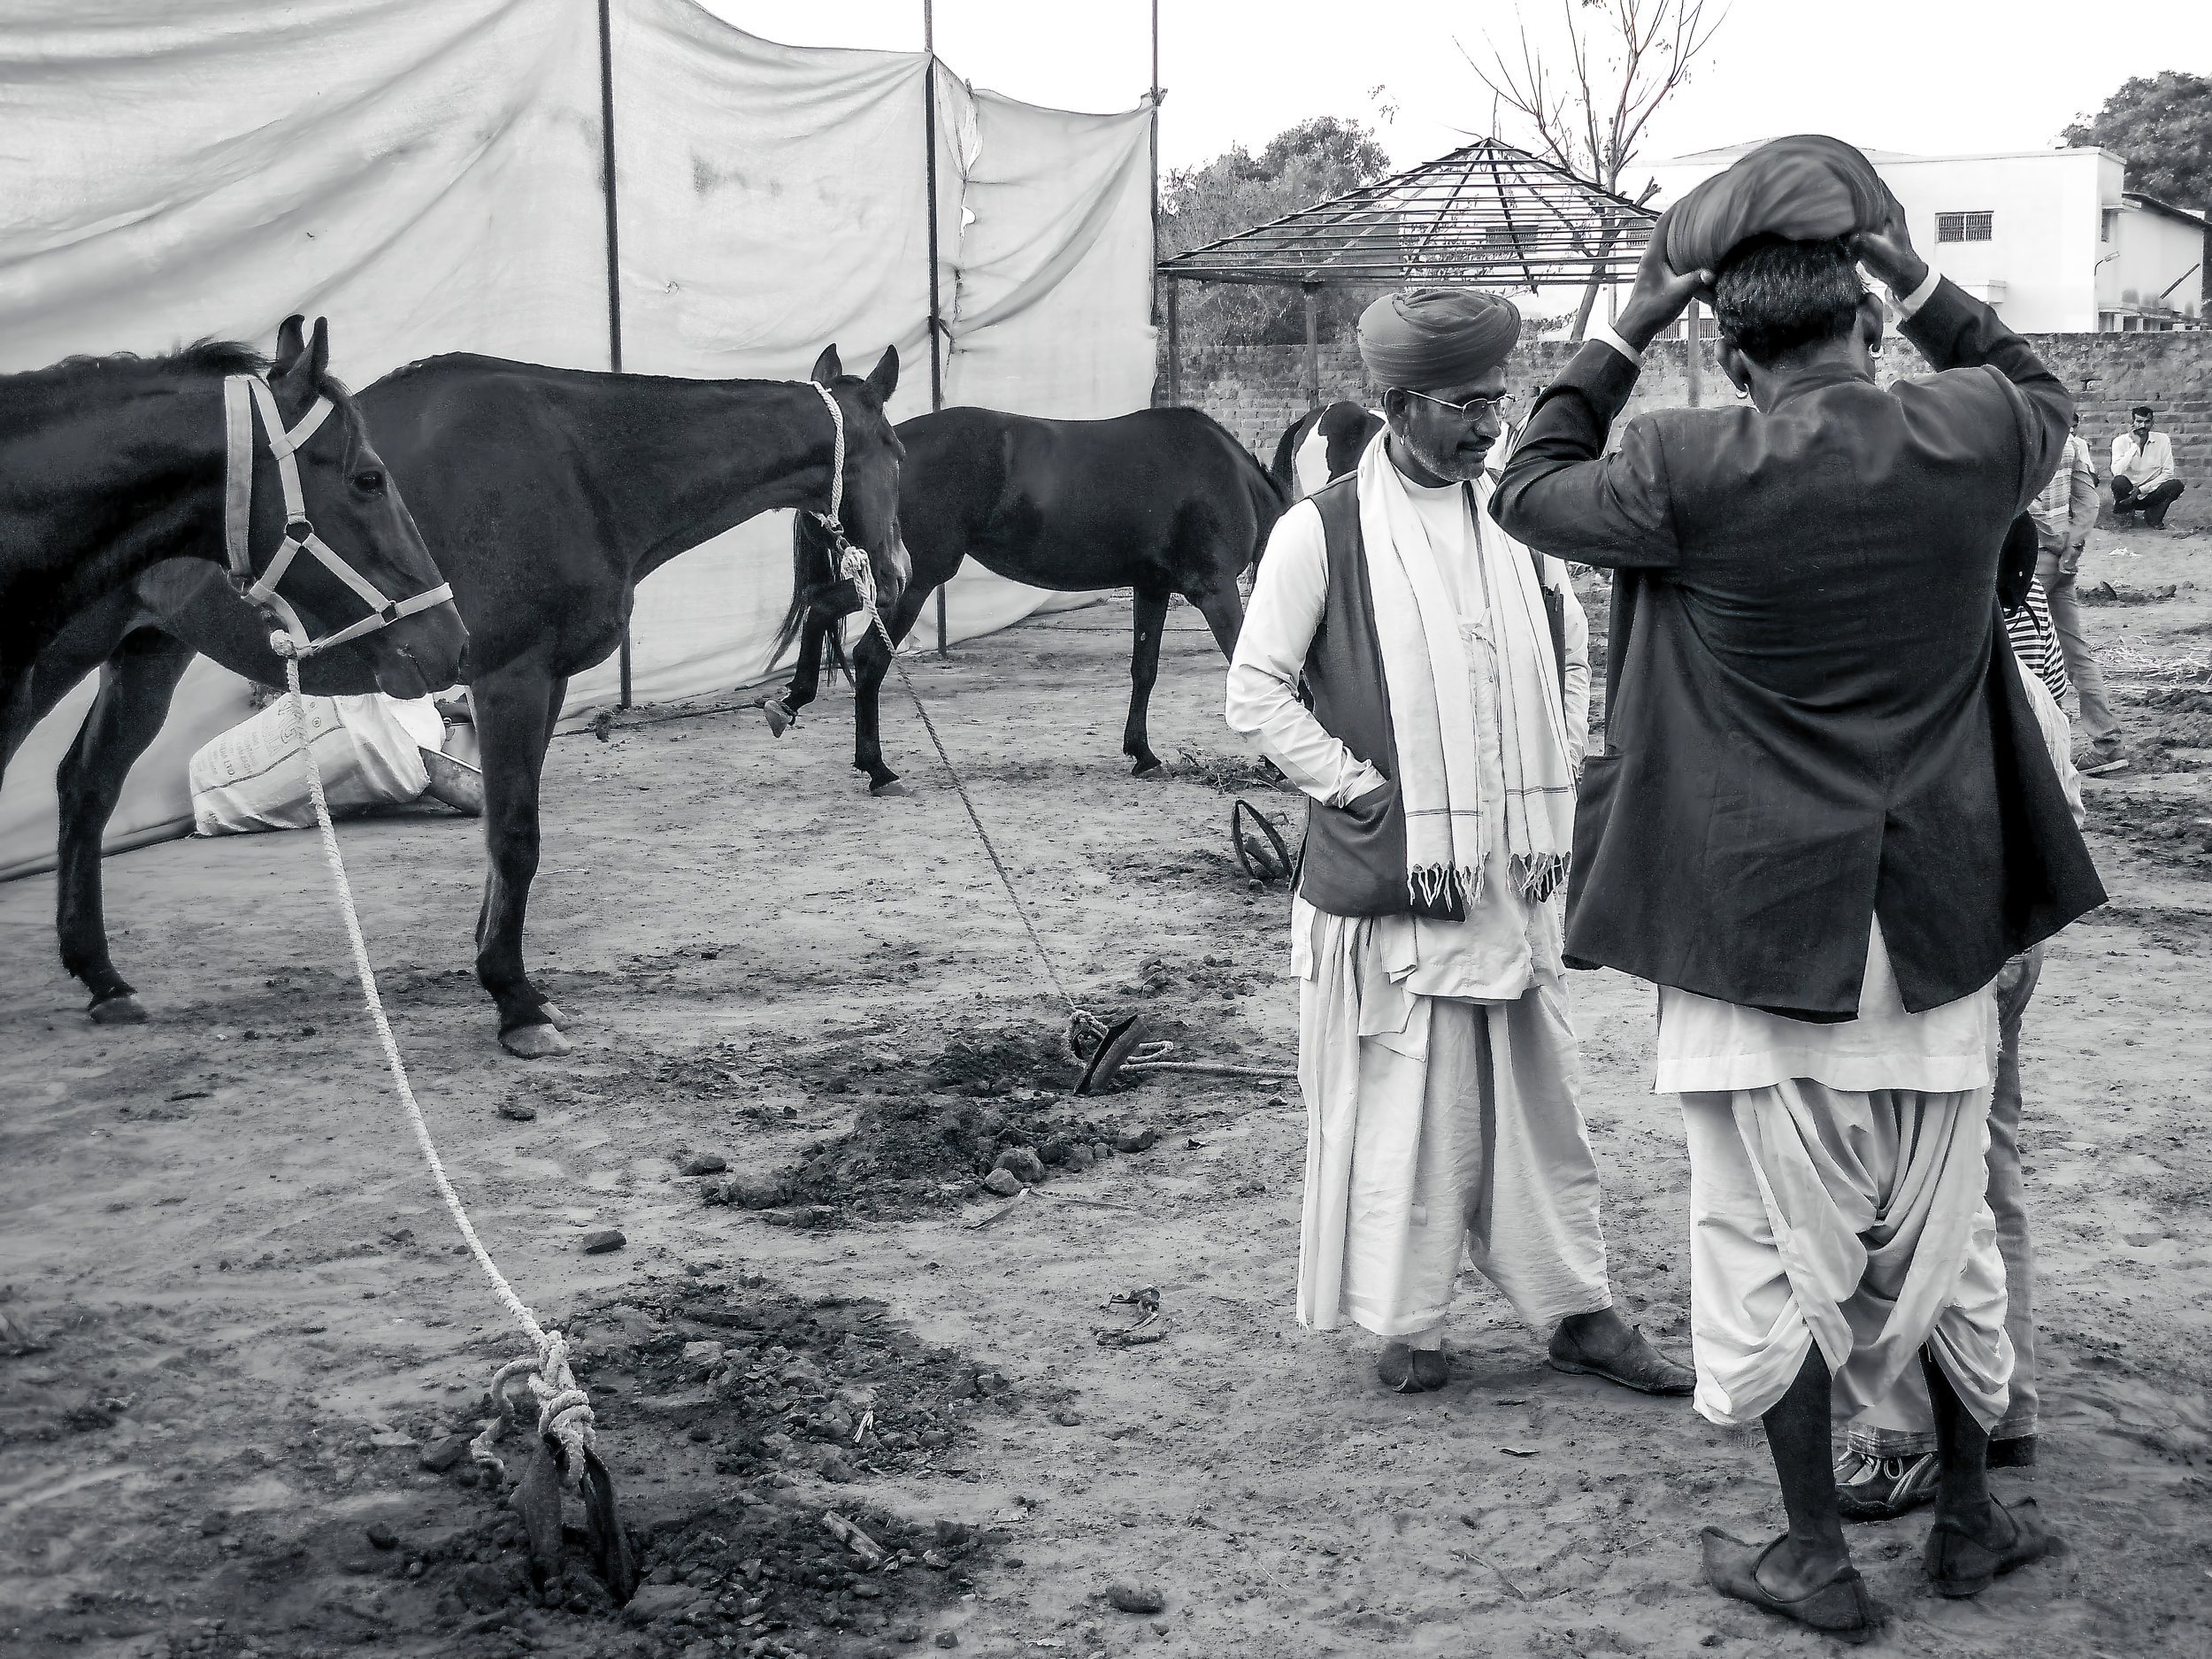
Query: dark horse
point(550, 494)
point(1321, 446)
point(1161, 500)
point(109, 465)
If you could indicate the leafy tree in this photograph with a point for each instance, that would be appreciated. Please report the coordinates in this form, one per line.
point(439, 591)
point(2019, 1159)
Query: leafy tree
point(2164, 127)
point(1301, 165)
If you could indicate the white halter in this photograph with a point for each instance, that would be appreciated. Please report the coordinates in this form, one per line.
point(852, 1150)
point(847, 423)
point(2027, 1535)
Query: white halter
point(243, 394)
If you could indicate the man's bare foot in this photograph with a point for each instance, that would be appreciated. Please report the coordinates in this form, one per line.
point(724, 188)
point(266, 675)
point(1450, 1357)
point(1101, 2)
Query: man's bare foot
point(1603, 1344)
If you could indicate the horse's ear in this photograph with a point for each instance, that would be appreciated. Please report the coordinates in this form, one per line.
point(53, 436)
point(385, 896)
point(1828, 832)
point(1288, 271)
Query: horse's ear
point(318, 352)
point(827, 367)
point(291, 342)
point(883, 380)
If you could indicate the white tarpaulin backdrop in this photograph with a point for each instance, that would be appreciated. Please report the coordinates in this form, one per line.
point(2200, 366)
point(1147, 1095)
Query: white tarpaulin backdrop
point(427, 174)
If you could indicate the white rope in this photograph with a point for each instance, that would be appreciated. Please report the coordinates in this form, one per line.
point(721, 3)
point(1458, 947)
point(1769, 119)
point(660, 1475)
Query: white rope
point(563, 1409)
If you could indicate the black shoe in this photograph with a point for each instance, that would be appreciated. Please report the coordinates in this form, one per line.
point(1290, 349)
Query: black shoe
point(1411, 1371)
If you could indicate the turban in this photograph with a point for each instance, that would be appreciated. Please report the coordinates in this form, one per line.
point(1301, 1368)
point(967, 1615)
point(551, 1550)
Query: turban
point(1436, 336)
point(1808, 188)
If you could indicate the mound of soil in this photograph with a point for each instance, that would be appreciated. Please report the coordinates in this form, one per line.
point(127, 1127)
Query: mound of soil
point(2173, 830)
point(2162, 718)
point(775, 1390)
point(905, 1155)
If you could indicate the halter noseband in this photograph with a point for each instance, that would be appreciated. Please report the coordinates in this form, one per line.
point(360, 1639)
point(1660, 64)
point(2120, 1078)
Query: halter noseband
point(243, 395)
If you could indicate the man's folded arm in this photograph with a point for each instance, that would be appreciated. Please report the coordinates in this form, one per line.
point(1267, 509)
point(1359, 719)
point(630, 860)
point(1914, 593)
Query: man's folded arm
point(1289, 596)
point(1562, 494)
point(1953, 330)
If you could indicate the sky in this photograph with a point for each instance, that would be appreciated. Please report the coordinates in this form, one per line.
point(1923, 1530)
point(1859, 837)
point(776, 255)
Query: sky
point(1934, 77)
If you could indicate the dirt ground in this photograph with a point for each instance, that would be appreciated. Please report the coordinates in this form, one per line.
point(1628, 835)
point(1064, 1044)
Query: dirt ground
point(234, 1330)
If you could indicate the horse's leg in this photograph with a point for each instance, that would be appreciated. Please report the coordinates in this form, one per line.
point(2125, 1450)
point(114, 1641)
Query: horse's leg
point(1144, 668)
point(136, 684)
point(871, 661)
point(1222, 607)
point(806, 678)
point(513, 707)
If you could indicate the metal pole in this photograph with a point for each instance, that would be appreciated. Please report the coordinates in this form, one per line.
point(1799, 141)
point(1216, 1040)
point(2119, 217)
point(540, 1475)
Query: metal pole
point(936, 318)
point(1689, 365)
point(1156, 163)
point(1174, 346)
point(614, 245)
point(1313, 349)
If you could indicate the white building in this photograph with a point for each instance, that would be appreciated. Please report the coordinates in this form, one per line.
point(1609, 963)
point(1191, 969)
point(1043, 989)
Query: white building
point(2046, 236)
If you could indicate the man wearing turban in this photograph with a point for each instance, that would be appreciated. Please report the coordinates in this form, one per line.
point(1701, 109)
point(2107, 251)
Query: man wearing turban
point(1449, 688)
point(1826, 815)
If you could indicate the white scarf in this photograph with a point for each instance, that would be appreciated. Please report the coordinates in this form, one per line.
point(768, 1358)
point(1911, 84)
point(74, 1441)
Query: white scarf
point(1428, 674)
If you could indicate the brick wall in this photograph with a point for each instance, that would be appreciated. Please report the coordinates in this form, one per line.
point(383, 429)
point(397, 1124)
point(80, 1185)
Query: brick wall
point(1256, 391)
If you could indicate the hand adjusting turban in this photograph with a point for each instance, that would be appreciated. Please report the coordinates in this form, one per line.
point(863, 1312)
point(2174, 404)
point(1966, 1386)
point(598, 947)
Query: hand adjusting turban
point(1428, 337)
point(1806, 189)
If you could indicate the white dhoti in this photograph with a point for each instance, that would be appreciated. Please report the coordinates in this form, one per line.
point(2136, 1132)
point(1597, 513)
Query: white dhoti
point(1858, 1220)
point(1439, 1127)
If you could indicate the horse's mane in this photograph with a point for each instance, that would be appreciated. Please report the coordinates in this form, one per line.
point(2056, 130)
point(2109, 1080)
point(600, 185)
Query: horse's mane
point(202, 357)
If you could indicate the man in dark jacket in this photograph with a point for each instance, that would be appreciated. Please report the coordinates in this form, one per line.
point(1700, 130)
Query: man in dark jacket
point(1824, 819)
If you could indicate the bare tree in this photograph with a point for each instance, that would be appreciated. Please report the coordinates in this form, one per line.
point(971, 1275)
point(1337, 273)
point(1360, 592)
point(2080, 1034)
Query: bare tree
point(1589, 113)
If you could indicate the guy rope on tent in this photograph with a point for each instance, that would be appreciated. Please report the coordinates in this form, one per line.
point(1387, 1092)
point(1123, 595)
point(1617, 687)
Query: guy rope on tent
point(564, 1456)
point(1106, 1048)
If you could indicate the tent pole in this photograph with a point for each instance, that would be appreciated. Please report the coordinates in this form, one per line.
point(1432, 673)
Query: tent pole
point(1690, 364)
point(1174, 345)
point(614, 245)
point(936, 318)
point(1313, 348)
point(1156, 163)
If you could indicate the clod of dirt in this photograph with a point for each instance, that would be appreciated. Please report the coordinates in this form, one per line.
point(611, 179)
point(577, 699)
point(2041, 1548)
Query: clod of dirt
point(1001, 1182)
point(605, 1239)
point(518, 1111)
point(440, 1456)
point(1136, 1598)
point(1022, 1163)
point(705, 1164)
point(382, 1536)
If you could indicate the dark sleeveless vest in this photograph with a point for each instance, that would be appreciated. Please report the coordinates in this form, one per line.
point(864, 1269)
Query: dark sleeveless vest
point(1353, 860)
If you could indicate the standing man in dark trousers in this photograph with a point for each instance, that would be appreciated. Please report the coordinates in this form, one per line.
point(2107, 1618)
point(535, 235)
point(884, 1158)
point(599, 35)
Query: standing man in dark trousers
point(1823, 821)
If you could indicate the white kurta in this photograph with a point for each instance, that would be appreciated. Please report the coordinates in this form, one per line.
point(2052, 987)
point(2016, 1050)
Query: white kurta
point(1438, 1065)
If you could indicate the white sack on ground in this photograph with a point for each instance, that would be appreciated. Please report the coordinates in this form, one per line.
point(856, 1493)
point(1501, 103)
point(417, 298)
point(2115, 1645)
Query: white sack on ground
point(425, 172)
point(369, 750)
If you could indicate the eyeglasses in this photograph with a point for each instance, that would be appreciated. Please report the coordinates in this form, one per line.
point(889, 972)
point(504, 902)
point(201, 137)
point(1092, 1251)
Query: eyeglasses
point(1473, 409)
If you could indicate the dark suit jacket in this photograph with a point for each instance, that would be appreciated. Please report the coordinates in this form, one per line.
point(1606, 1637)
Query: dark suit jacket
point(1810, 718)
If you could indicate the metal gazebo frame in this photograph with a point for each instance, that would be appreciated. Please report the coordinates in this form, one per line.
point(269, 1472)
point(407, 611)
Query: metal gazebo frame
point(1484, 212)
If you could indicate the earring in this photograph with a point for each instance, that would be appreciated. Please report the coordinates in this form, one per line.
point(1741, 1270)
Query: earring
point(1741, 391)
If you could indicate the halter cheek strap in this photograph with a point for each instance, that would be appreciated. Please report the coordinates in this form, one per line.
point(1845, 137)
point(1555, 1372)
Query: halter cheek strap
point(852, 563)
point(245, 395)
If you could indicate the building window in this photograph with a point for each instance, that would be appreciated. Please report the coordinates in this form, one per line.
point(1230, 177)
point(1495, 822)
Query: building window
point(2110, 226)
point(1963, 227)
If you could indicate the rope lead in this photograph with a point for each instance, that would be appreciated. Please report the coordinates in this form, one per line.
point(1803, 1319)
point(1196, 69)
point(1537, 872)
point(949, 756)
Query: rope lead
point(563, 1409)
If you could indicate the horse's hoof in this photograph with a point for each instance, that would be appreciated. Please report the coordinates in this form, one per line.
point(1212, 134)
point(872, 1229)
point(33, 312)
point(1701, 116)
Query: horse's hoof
point(889, 785)
point(533, 1042)
point(1148, 769)
point(551, 1013)
point(778, 717)
point(126, 1010)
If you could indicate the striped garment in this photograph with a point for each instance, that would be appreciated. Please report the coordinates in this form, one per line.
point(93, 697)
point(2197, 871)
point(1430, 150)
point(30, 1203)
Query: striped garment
point(2035, 642)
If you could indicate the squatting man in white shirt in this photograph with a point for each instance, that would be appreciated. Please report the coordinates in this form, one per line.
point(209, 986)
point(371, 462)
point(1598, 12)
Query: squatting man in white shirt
point(1449, 684)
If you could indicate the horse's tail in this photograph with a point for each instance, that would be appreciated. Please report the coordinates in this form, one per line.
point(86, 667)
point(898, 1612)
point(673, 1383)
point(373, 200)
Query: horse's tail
point(1284, 472)
point(813, 573)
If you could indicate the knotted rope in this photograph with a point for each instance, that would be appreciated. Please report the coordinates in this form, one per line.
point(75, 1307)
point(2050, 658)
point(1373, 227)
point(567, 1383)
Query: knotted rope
point(563, 1409)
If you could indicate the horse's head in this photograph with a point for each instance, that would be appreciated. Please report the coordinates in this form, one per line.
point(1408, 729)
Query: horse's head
point(354, 507)
point(870, 508)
